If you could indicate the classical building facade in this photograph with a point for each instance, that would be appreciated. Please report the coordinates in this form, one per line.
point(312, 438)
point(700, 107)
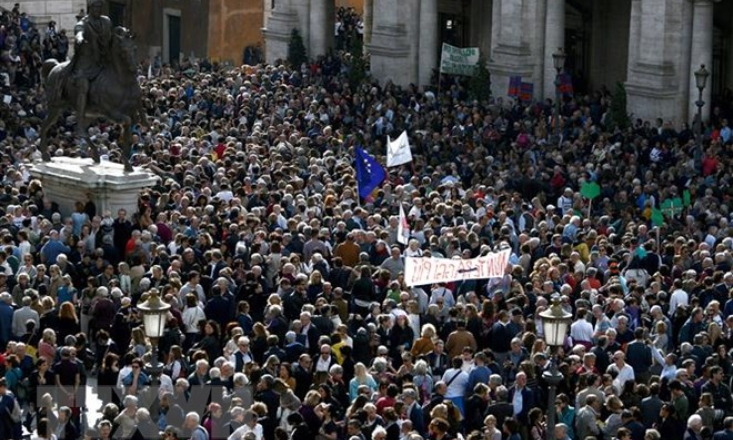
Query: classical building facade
point(169, 29)
point(652, 46)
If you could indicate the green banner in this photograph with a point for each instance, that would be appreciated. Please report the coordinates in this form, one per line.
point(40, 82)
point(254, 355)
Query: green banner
point(459, 61)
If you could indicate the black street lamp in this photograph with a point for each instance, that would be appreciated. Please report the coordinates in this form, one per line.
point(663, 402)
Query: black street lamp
point(155, 315)
point(558, 60)
point(701, 79)
point(555, 323)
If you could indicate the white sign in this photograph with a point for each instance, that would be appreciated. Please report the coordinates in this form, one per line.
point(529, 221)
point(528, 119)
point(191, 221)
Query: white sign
point(403, 228)
point(398, 152)
point(459, 61)
point(419, 271)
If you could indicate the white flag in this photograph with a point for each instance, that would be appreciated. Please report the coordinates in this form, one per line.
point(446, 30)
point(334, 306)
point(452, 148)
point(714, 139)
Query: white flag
point(403, 228)
point(150, 71)
point(398, 152)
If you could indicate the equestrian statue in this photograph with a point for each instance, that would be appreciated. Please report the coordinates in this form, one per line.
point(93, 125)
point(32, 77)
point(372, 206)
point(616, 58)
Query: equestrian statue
point(99, 82)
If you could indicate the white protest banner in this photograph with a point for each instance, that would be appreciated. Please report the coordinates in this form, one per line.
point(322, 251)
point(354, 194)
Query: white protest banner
point(403, 228)
point(398, 151)
point(419, 271)
point(459, 61)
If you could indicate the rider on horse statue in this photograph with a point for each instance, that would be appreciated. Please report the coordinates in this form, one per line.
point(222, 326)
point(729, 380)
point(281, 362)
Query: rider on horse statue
point(93, 36)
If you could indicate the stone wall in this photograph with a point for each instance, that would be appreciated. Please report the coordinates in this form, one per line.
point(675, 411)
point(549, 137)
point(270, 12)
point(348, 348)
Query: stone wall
point(147, 19)
point(234, 25)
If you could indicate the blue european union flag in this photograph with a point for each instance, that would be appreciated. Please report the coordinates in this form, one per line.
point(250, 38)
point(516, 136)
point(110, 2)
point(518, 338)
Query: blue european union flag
point(369, 173)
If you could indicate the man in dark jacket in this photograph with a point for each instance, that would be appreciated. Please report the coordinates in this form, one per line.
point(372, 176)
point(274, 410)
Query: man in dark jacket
point(639, 356)
point(525, 403)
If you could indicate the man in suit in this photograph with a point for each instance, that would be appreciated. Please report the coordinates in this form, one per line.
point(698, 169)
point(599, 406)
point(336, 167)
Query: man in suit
point(639, 356)
point(266, 395)
point(586, 420)
point(219, 309)
point(650, 407)
point(522, 398)
point(438, 360)
point(65, 429)
point(201, 376)
point(6, 319)
point(293, 348)
point(213, 269)
point(414, 411)
point(311, 332)
point(501, 409)
point(303, 376)
point(243, 356)
point(727, 432)
point(437, 398)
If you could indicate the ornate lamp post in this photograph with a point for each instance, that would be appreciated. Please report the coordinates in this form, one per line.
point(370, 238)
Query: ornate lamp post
point(701, 79)
point(155, 315)
point(558, 60)
point(555, 323)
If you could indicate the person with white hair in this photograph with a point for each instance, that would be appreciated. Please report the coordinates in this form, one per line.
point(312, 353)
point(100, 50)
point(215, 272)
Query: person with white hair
point(249, 425)
point(193, 425)
point(694, 427)
point(127, 419)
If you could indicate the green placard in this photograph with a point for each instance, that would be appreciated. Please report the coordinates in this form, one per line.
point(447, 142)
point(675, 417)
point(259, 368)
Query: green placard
point(590, 190)
point(657, 217)
point(672, 206)
point(686, 198)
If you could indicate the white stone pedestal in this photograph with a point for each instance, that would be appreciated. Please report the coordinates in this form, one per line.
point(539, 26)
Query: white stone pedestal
point(68, 180)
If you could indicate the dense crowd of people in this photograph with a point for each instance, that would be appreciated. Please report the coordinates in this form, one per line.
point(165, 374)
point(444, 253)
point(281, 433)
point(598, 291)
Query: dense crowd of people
point(290, 317)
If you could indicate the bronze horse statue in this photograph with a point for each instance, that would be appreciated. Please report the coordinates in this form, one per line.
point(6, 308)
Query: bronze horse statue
point(114, 94)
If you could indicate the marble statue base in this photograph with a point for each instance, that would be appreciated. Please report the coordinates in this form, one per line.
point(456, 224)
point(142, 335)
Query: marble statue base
point(68, 180)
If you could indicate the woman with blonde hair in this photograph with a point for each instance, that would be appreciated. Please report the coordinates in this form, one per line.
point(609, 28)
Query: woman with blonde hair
point(361, 377)
point(491, 432)
point(139, 343)
point(47, 346)
point(315, 285)
point(308, 410)
point(424, 344)
point(56, 281)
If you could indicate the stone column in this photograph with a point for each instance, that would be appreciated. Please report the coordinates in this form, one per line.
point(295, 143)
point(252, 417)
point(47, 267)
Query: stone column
point(495, 23)
point(702, 53)
point(277, 33)
point(654, 76)
point(389, 48)
point(428, 54)
point(322, 16)
point(554, 39)
point(368, 21)
point(634, 34)
point(511, 54)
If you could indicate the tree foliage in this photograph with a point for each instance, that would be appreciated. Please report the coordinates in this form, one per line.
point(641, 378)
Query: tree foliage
point(618, 115)
point(479, 86)
point(358, 67)
point(296, 50)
